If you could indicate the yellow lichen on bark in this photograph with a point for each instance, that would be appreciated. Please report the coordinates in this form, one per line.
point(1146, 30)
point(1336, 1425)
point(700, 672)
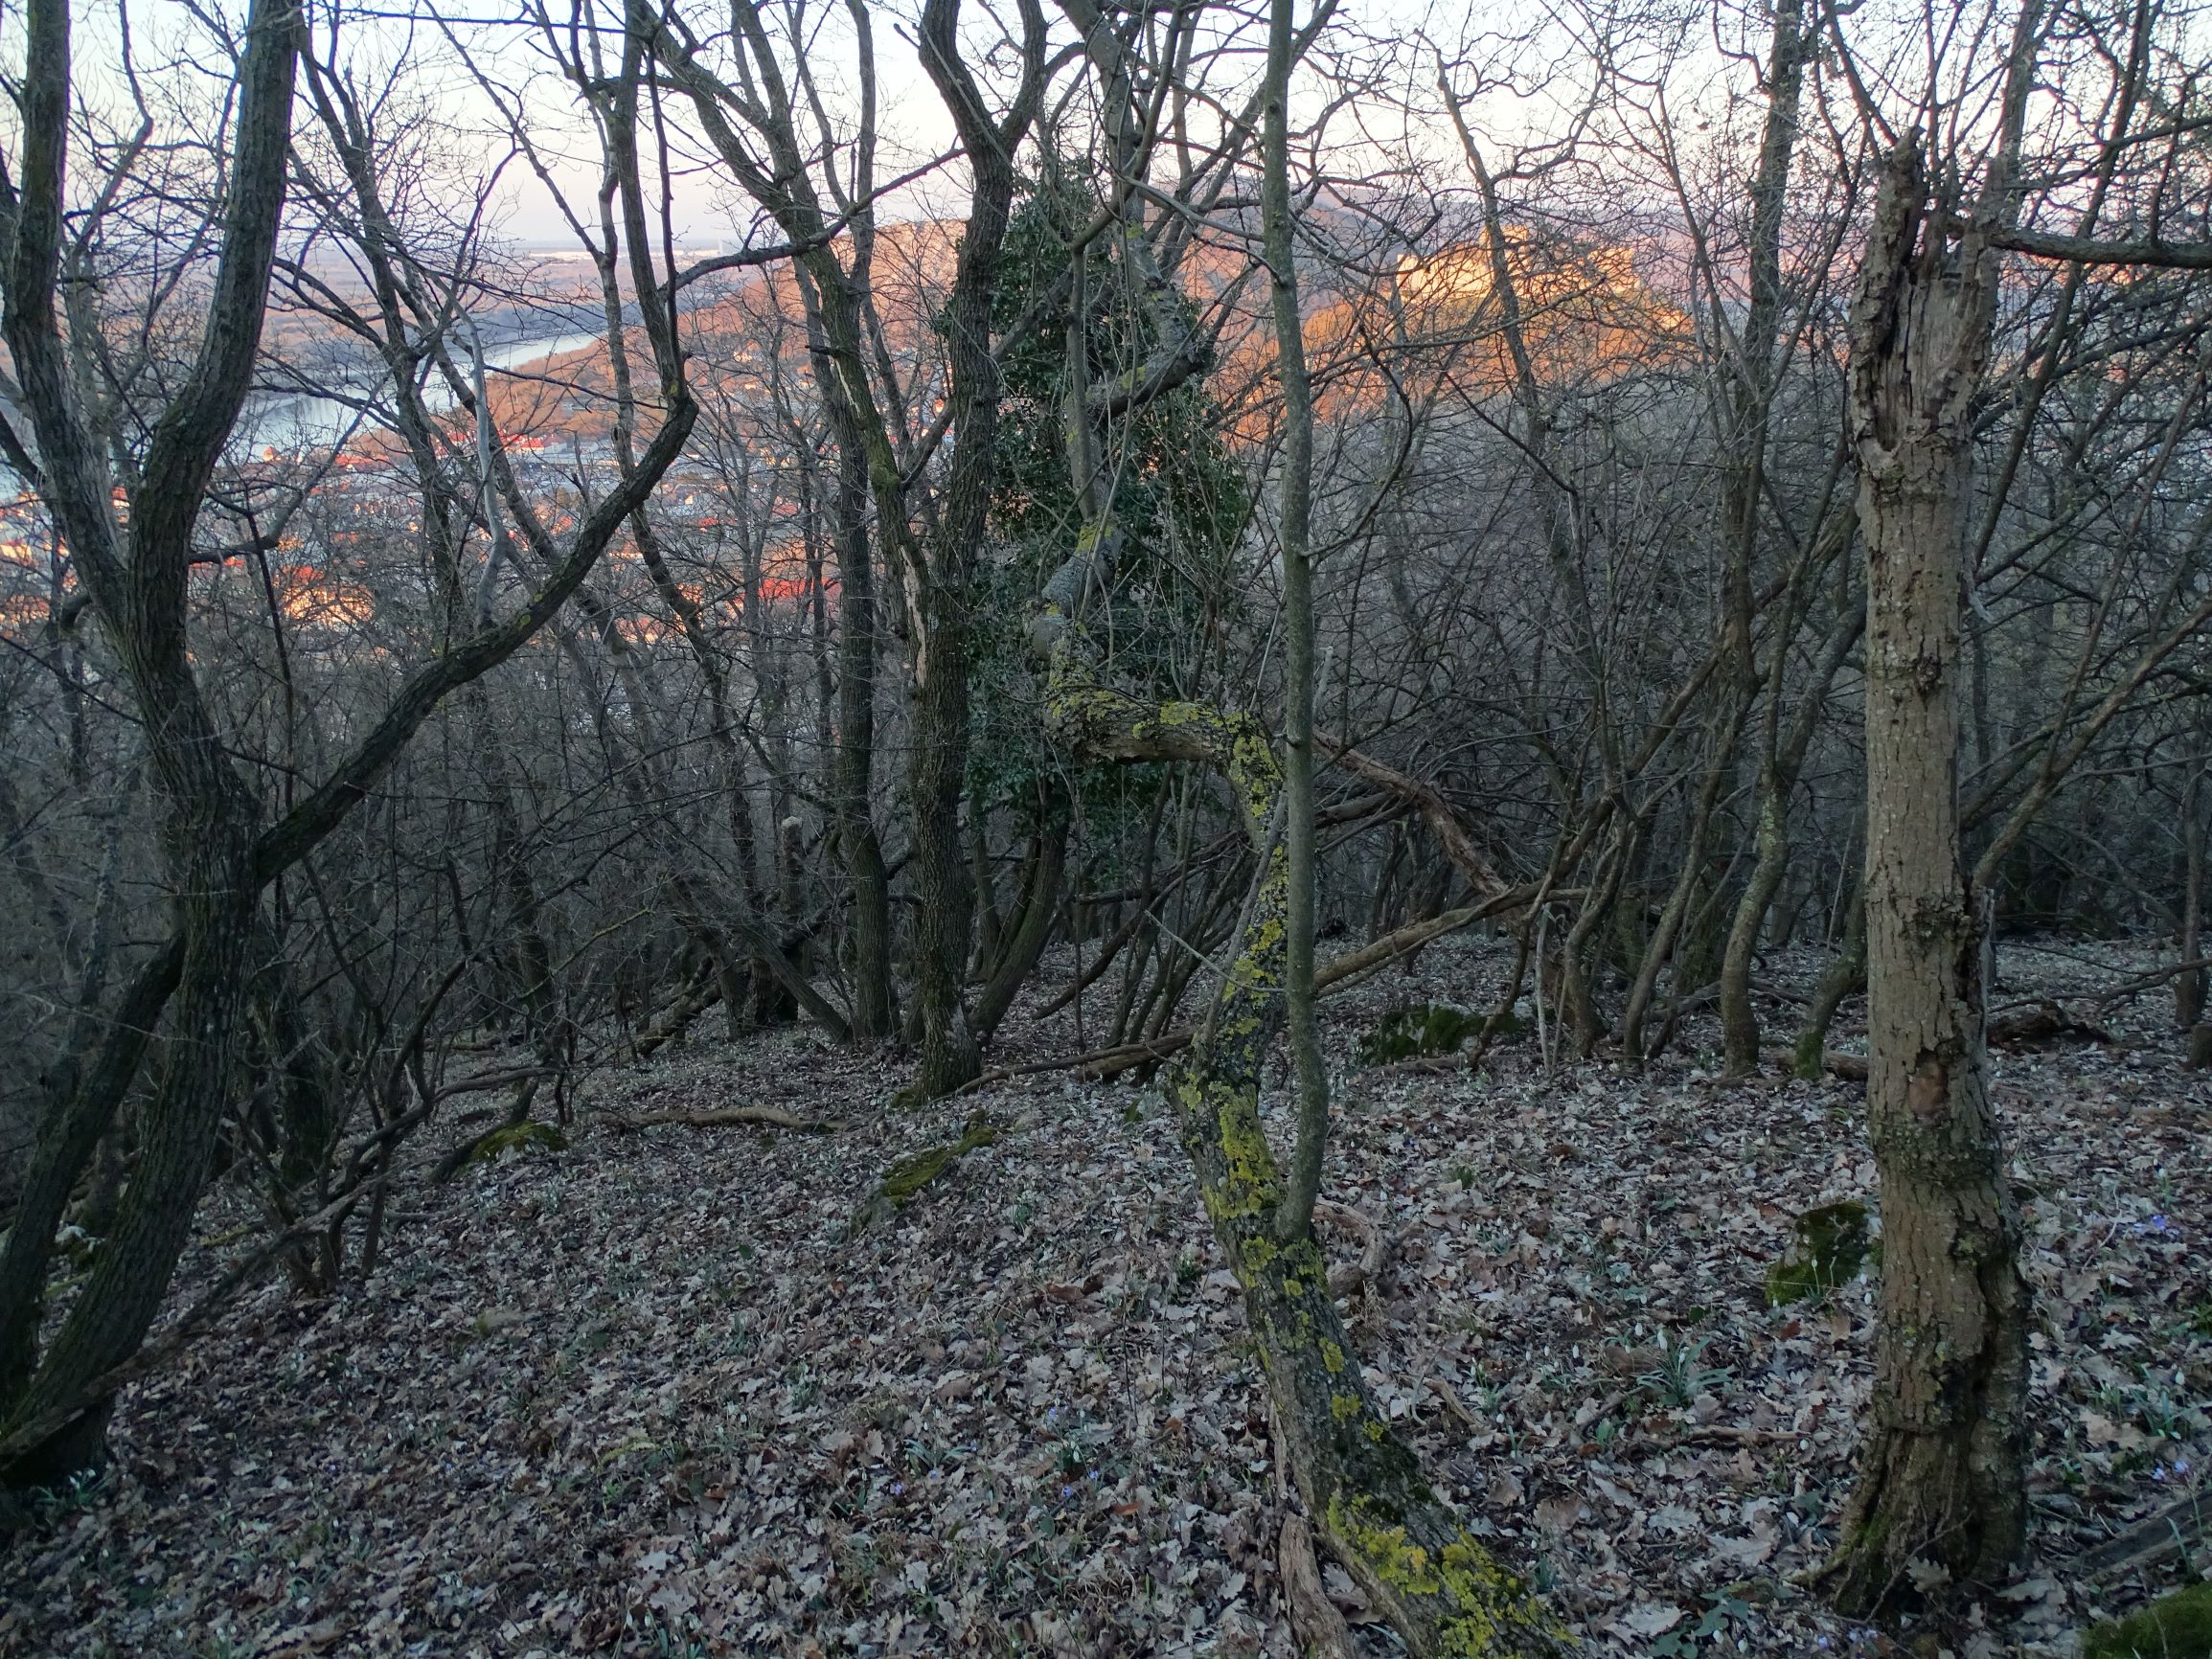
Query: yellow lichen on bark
point(1485, 1611)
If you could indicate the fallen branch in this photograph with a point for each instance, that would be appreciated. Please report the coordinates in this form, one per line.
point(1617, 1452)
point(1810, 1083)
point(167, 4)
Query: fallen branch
point(1851, 1068)
point(2045, 1023)
point(689, 1003)
point(1727, 1432)
point(2173, 1531)
point(1095, 1066)
point(1099, 1064)
point(1435, 811)
point(483, 1080)
point(909, 1175)
point(1449, 1396)
point(725, 1116)
point(2111, 999)
point(1416, 934)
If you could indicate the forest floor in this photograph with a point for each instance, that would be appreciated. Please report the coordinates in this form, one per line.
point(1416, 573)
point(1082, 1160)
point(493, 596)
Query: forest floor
point(647, 1397)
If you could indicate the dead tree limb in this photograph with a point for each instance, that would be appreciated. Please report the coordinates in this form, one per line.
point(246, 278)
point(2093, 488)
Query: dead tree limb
point(724, 1116)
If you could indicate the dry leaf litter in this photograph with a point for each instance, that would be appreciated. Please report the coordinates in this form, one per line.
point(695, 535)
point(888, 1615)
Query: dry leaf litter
point(648, 1396)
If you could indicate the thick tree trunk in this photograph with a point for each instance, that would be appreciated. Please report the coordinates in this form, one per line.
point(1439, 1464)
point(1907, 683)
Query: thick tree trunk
point(940, 572)
point(944, 912)
point(210, 868)
point(1941, 1475)
point(137, 573)
point(136, 567)
point(874, 1015)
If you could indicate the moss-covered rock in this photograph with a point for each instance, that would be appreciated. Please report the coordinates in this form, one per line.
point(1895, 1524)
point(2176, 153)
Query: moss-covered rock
point(2176, 1627)
point(1827, 1248)
point(910, 1174)
point(517, 1138)
point(1419, 1031)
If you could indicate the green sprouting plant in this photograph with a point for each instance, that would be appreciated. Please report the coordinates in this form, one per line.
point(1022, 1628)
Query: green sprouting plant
point(1681, 1374)
point(668, 1645)
point(77, 1494)
point(1188, 1272)
point(2162, 1415)
point(1724, 1610)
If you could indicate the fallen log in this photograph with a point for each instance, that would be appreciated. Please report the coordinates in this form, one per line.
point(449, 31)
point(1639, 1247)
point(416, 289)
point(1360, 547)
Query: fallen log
point(2042, 1024)
point(1851, 1068)
point(2172, 1532)
point(722, 1117)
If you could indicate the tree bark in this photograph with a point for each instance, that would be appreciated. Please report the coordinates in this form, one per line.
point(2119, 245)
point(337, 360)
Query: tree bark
point(1293, 529)
point(137, 577)
point(1941, 1475)
point(873, 1015)
point(1032, 926)
point(1443, 1591)
point(217, 857)
point(2189, 984)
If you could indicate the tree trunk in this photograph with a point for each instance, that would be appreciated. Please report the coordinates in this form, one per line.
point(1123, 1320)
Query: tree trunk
point(873, 1016)
point(1749, 407)
point(1441, 1588)
point(1032, 926)
point(1843, 977)
point(1728, 728)
point(1782, 762)
point(2189, 984)
point(1942, 1468)
point(944, 911)
point(942, 568)
point(875, 1010)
